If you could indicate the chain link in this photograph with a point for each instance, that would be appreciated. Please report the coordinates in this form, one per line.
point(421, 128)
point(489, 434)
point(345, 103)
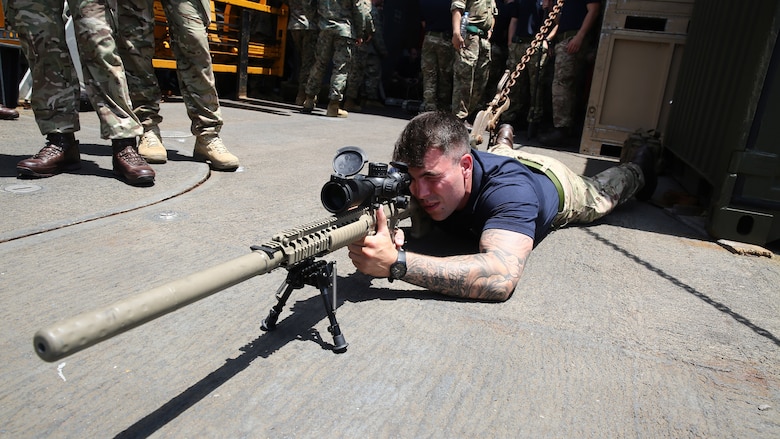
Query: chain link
point(529, 52)
point(498, 105)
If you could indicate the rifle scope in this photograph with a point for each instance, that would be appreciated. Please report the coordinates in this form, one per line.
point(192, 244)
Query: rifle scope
point(382, 183)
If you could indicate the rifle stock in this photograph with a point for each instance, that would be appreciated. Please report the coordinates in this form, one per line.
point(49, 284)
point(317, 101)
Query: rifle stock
point(286, 249)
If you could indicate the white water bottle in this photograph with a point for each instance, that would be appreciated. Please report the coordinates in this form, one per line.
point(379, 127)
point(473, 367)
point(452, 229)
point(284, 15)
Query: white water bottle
point(464, 21)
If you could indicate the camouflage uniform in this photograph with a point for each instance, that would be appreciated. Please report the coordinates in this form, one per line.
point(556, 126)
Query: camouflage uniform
point(341, 22)
point(188, 21)
point(56, 90)
point(567, 80)
point(525, 94)
point(365, 72)
point(437, 55)
point(302, 26)
point(528, 85)
point(136, 32)
point(585, 199)
point(470, 72)
point(436, 60)
point(568, 75)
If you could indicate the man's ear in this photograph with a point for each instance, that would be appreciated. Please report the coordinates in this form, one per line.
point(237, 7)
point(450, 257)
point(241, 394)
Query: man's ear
point(467, 164)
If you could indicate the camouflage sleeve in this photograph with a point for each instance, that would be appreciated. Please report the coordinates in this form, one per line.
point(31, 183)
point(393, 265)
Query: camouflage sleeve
point(379, 39)
point(362, 24)
point(458, 4)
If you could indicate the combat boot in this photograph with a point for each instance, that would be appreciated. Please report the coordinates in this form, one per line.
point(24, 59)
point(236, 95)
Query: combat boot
point(300, 98)
point(308, 104)
point(645, 155)
point(506, 135)
point(352, 105)
point(129, 165)
point(335, 111)
point(60, 154)
point(151, 147)
point(210, 148)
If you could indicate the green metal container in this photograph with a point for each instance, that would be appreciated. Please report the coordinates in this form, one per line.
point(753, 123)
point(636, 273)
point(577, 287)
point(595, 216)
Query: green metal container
point(724, 122)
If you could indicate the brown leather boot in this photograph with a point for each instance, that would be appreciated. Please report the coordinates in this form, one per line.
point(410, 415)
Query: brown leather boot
point(8, 113)
point(129, 164)
point(334, 110)
point(60, 154)
point(506, 135)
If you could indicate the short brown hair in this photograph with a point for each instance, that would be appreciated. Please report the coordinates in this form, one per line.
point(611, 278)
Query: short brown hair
point(434, 129)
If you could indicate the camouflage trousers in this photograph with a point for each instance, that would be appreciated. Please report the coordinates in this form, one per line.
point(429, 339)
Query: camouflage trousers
point(585, 199)
point(436, 61)
point(470, 75)
point(331, 47)
point(567, 83)
point(365, 74)
point(56, 89)
point(305, 41)
point(188, 23)
point(527, 92)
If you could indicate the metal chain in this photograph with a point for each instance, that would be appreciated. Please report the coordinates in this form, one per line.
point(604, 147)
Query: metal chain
point(499, 104)
point(543, 31)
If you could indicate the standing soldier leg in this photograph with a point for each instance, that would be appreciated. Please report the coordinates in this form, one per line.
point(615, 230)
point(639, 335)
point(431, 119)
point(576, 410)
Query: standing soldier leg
point(106, 83)
point(296, 36)
point(189, 20)
point(355, 80)
point(481, 72)
point(563, 85)
point(445, 58)
point(429, 69)
point(342, 55)
point(372, 78)
point(518, 94)
point(55, 91)
point(536, 99)
point(135, 39)
point(463, 74)
point(307, 61)
point(323, 56)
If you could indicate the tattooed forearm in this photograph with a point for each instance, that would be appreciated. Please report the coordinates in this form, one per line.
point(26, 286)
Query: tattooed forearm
point(485, 276)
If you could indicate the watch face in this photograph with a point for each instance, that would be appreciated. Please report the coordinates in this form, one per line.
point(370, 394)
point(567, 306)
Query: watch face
point(398, 270)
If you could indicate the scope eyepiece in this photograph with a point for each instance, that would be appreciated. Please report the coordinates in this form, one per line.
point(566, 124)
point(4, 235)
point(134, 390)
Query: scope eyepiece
point(382, 183)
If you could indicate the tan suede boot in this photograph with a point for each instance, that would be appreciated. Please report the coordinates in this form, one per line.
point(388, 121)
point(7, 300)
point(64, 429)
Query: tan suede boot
point(335, 111)
point(151, 147)
point(209, 147)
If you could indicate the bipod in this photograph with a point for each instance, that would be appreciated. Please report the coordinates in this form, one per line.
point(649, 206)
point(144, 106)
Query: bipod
point(318, 274)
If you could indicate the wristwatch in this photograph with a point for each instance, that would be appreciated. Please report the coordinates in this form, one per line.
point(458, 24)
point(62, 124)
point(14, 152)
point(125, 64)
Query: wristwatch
point(398, 269)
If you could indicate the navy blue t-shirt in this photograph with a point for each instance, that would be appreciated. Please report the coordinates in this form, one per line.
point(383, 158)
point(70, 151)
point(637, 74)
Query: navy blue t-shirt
point(436, 15)
point(573, 14)
point(528, 17)
point(505, 195)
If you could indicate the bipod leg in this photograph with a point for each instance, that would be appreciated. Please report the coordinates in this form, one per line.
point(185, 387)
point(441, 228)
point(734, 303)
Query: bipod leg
point(295, 280)
point(326, 282)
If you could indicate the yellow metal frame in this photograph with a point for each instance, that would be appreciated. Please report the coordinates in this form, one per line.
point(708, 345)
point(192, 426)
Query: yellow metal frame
point(225, 36)
point(7, 36)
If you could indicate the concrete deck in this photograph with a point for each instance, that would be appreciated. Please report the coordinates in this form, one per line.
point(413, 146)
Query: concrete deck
point(636, 326)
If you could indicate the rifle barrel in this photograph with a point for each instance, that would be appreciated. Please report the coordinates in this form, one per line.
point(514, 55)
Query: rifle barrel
point(84, 330)
point(77, 333)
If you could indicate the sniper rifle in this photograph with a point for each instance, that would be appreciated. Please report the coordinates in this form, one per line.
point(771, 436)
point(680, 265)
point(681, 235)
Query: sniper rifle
point(352, 198)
